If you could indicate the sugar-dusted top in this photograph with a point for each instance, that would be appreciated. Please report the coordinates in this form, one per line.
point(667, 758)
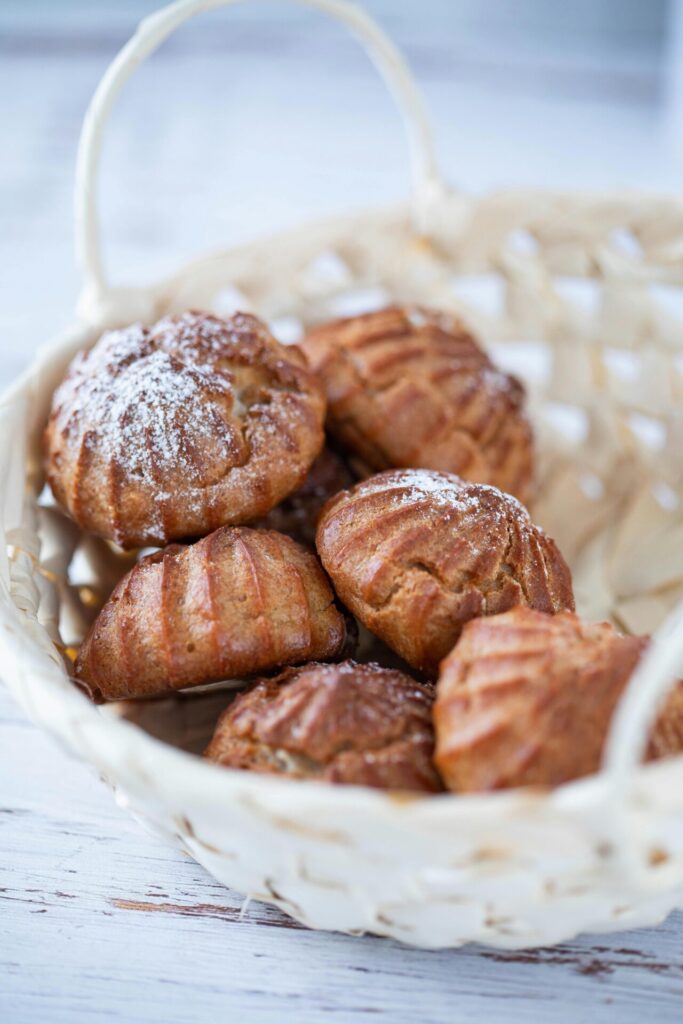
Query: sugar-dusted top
point(164, 432)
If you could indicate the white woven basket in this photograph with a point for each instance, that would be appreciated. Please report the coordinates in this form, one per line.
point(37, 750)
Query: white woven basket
point(583, 294)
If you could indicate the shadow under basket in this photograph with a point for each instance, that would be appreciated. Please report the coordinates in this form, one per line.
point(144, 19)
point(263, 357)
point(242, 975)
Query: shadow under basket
point(582, 296)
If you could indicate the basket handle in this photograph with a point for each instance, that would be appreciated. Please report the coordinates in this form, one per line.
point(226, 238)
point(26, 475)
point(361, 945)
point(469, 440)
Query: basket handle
point(653, 678)
point(151, 32)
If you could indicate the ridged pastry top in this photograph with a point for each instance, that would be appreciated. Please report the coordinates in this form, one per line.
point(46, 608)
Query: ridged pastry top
point(527, 698)
point(347, 723)
point(238, 602)
point(410, 387)
point(167, 432)
point(415, 554)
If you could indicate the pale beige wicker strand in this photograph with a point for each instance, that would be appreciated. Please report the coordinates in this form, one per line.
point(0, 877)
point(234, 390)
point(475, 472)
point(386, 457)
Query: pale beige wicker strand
point(585, 292)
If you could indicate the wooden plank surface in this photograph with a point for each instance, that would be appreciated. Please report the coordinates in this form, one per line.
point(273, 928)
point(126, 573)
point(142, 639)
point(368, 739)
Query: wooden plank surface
point(233, 133)
point(98, 919)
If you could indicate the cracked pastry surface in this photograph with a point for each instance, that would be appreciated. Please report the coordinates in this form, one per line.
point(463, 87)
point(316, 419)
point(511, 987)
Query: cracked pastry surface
point(298, 514)
point(167, 432)
point(526, 699)
point(410, 387)
point(415, 554)
point(345, 723)
point(238, 602)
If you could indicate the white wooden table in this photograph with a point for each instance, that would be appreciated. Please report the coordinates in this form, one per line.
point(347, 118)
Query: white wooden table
point(97, 919)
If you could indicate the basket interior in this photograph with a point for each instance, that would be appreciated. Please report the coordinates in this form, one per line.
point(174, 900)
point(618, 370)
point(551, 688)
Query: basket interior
point(581, 297)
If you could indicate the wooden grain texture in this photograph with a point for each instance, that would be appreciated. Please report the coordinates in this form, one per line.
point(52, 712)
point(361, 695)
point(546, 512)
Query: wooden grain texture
point(98, 920)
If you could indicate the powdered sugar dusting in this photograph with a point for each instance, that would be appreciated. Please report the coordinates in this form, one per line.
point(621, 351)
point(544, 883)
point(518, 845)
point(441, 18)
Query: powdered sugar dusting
point(150, 412)
point(153, 421)
point(445, 490)
point(153, 411)
point(170, 404)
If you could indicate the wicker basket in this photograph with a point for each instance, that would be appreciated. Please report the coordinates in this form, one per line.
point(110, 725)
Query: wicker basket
point(583, 296)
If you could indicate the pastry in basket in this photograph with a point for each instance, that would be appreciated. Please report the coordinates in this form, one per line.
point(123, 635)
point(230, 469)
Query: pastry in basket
point(345, 723)
point(526, 699)
point(415, 554)
point(170, 431)
point(410, 387)
point(298, 514)
point(238, 602)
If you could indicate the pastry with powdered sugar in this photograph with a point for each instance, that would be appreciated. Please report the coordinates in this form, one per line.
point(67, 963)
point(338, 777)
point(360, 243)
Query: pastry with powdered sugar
point(167, 432)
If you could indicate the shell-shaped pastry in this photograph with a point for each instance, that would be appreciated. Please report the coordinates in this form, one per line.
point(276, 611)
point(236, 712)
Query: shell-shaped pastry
point(410, 387)
point(346, 723)
point(168, 432)
point(415, 554)
point(526, 699)
point(238, 602)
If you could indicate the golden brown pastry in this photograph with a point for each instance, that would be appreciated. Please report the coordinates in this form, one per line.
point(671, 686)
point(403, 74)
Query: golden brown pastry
point(238, 602)
point(170, 431)
point(526, 699)
point(347, 723)
point(298, 514)
point(415, 554)
point(410, 387)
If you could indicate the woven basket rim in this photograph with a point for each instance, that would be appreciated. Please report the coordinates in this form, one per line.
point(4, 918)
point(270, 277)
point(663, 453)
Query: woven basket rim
point(128, 303)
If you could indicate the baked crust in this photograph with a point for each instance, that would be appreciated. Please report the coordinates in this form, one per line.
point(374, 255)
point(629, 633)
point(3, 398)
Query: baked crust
point(415, 554)
point(346, 723)
point(526, 699)
point(298, 514)
point(170, 431)
point(238, 602)
point(410, 387)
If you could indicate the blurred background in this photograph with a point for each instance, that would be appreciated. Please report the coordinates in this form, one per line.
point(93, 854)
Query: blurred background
point(260, 116)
